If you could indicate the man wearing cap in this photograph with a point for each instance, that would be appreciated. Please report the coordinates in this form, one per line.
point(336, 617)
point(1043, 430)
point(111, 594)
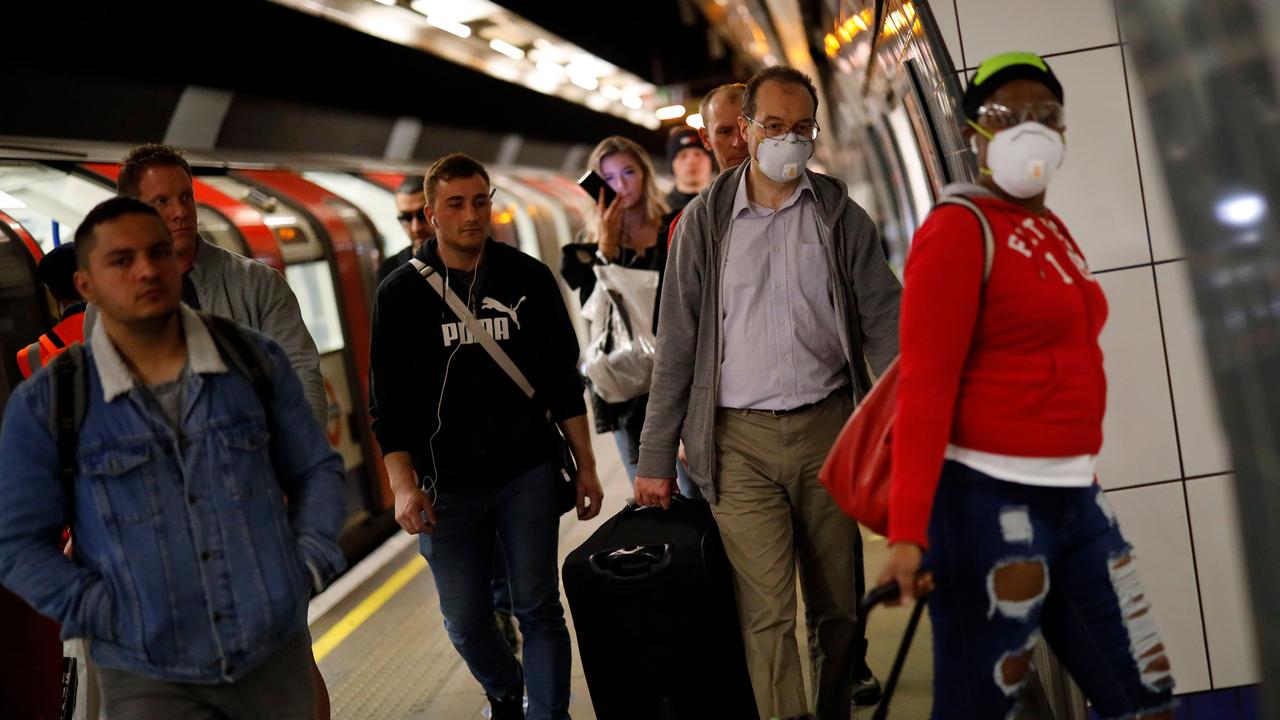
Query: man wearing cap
point(690, 163)
point(56, 270)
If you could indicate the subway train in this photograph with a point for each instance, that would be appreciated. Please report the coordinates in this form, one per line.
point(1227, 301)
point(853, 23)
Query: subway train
point(325, 229)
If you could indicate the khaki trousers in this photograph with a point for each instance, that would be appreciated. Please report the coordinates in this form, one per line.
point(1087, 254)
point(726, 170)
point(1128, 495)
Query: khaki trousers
point(773, 512)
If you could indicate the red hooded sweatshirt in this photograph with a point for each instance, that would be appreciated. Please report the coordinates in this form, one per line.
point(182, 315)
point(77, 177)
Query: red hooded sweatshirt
point(1012, 367)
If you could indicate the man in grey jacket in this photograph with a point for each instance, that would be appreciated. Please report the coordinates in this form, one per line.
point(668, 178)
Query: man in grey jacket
point(215, 280)
point(777, 297)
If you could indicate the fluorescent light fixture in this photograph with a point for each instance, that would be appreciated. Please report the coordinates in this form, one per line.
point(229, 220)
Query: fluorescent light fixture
point(544, 44)
point(459, 11)
point(586, 82)
point(547, 67)
point(1241, 210)
point(670, 112)
point(506, 48)
point(598, 102)
point(632, 102)
point(611, 92)
point(542, 82)
point(694, 121)
point(452, 27)
point(9, 202)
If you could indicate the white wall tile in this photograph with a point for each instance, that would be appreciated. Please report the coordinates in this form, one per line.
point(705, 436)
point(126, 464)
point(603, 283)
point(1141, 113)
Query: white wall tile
point(1040, 26)
point(1097, 191)
point(1138, 444)
point(1204, 444)
point(944, 11)
point(1165, 242)
point(1154, 521)
point(1228, 614)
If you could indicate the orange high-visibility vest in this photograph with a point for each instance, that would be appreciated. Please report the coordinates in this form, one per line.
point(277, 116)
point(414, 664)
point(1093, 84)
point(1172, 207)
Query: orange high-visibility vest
point(39, 353)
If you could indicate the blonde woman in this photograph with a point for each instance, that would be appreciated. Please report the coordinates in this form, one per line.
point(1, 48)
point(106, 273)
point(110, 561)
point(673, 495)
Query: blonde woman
point(630, 231)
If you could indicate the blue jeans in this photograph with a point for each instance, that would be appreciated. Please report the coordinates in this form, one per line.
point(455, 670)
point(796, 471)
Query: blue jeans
point(1013, 561)
point(629, 448)
point(460, 553)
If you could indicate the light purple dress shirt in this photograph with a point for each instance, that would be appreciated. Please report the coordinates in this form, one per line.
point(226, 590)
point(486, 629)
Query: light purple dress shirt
point(781, 346)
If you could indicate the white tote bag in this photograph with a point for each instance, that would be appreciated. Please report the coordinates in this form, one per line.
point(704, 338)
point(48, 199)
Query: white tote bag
point(621, 348)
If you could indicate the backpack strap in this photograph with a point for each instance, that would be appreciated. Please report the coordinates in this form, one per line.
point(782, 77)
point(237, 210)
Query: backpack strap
point(243, 354)
point(68, 400)
point(988, 237)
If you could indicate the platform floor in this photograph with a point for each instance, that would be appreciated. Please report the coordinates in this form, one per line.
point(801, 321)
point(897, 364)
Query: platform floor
point(392, 658)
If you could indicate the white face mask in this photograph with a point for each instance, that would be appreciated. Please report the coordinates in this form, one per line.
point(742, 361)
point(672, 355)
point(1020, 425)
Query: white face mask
point(784, 158)
point(1023, 158)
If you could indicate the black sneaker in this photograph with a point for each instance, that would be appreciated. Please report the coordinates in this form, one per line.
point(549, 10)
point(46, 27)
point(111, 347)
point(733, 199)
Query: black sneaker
point(866, 689)
point(509, 708)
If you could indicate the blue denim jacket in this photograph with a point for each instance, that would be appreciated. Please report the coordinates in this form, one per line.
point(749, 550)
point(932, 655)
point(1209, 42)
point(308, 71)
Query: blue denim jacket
point(189, 565)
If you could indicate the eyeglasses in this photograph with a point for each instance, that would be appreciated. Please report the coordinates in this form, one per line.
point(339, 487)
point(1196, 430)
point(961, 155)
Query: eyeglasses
point(999, 117)
point(805, 130)
point(407, 218)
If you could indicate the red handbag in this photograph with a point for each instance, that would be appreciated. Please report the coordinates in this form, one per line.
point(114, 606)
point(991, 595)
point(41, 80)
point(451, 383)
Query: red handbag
point(858, 469)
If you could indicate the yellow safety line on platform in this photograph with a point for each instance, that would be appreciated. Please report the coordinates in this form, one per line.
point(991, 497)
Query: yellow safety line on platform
point(365, 610)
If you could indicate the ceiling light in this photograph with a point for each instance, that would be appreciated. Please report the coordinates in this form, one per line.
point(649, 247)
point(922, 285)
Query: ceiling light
point(450, 26)
point(506, 48)
point(549, 68)
point(459, 11)
point(1241, 210)
point(611, 92)
point(694, 121)
point(670, 112)
point(632, 102)
point(586, 82)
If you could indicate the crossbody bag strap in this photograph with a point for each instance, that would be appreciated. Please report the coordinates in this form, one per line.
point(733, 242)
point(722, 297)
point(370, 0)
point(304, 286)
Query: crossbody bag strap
point(477, 330)
point(988, 237)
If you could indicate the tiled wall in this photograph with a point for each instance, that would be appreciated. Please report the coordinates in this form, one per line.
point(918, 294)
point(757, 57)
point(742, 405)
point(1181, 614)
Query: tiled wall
point(1165, 464)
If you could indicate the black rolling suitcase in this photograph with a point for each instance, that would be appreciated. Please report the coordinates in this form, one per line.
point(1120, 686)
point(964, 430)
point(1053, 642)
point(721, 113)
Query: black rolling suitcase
point(652, 601)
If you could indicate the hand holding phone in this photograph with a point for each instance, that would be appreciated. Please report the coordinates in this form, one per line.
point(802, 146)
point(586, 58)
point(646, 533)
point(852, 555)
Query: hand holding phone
point(592, 183)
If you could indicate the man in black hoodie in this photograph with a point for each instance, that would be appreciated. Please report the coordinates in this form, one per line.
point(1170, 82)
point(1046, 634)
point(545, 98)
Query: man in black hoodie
point(467, 452)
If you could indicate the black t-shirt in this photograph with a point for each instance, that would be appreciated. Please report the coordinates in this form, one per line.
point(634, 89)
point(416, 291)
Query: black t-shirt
point(490, 432)
point(677, 200)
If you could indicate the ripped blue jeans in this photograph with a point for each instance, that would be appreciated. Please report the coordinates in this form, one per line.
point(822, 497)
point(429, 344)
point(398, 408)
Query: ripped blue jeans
point(1014, 561)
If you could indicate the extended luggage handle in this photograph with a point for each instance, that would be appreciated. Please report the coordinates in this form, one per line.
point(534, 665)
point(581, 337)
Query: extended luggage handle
point(631, 564)
point(633, 506)
point(877, 595)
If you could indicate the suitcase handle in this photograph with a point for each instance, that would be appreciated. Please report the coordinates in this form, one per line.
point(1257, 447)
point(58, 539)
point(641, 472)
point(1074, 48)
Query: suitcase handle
point(631, 564)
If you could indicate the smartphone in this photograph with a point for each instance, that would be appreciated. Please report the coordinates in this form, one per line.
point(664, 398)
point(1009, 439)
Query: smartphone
point(593, 183)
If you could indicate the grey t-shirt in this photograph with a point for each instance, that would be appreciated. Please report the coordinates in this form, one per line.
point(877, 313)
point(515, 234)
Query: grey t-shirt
point(168, 398)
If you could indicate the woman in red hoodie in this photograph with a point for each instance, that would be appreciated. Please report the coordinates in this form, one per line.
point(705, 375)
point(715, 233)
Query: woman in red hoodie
point(999, 421)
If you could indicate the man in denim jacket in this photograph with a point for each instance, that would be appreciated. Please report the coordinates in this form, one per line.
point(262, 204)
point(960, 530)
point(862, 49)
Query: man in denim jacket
point(191, 576)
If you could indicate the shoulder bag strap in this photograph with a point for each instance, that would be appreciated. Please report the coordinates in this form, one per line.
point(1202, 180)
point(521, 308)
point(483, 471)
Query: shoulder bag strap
point(988, 237)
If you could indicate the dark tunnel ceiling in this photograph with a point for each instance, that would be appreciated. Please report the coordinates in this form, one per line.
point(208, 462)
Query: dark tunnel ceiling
point(258, 48)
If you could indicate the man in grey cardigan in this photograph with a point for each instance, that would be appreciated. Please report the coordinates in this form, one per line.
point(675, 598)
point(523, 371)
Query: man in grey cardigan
point(215, 280)
point(777, 297)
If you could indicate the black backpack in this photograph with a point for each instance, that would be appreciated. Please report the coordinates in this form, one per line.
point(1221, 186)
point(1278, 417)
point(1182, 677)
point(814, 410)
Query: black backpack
point(69, 390)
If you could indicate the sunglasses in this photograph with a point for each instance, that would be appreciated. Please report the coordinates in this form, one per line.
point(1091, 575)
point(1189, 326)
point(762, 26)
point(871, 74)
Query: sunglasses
point(407, 218)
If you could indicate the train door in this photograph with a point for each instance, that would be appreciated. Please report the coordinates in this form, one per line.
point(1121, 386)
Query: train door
point(24, 303)
point(376, 202)
point(321, 267)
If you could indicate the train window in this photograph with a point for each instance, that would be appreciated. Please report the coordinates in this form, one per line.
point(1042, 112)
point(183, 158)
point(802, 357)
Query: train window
point(312, 282)
point(378, 204)
point(904, 136)
point(218, 230)
point(49, 203)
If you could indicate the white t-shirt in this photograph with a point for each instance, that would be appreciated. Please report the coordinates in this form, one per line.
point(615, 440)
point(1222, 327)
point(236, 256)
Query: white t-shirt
point(1072, 471)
